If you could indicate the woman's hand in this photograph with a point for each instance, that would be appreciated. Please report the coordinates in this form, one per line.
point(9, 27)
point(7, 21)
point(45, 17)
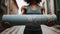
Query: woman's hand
point(7, 24)
point(23, 10)
point(50, 23)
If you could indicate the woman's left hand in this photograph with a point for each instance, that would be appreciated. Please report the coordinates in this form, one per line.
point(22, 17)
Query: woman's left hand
point(50, 23)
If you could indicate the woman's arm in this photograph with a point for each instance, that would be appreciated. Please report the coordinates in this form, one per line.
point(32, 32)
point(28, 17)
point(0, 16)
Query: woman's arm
point(23, 9)
point(43, 10)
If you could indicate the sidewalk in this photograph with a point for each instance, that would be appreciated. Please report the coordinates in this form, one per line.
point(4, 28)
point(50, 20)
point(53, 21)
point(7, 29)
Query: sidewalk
point(20, 29)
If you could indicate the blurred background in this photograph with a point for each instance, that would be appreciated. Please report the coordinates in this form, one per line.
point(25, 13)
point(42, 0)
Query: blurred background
point(14, 7)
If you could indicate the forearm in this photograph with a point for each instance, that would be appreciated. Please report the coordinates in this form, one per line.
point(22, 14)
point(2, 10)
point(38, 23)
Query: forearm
point(22, 12)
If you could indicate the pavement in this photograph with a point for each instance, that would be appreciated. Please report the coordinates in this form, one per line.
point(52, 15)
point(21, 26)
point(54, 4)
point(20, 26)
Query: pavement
point(20, 29)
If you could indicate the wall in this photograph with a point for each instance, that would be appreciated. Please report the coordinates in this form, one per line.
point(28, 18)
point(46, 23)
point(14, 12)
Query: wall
point(12, 7)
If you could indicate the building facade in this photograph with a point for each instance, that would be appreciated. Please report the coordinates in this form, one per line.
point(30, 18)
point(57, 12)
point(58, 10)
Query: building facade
point(49, 6)
point(7, 7)
point(12, 7)
point(3, 9)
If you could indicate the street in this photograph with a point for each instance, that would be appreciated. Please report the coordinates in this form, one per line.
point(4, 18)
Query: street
point(19, 30)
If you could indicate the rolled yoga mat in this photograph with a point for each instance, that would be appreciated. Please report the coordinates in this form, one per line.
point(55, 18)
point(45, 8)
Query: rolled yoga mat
point(25, 19)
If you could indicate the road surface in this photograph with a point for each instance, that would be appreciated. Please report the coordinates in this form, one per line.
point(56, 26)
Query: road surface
point(20, 29)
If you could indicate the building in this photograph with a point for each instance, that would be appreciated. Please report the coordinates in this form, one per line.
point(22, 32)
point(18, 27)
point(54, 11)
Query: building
point(49, 6)
point(57, 10)
point(3, 9)
point(7, 7)
point(12, 7)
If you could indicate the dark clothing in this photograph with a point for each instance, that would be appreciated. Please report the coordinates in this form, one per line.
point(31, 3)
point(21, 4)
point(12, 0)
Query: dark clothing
point(32, 32)
point(33, 28)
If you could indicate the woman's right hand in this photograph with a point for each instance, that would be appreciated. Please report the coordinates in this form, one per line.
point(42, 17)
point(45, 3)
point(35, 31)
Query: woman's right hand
point(7, 24)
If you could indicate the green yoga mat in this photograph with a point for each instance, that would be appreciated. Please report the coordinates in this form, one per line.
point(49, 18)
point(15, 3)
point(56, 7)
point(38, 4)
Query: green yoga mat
point(25, 19)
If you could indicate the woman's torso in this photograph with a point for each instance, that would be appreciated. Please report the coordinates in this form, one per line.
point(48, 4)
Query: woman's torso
point(33, 26)
point(30, 11)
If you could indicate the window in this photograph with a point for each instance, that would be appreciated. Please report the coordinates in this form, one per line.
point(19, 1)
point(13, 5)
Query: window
point(57, 5)
point(6, 2)
point(48, 6)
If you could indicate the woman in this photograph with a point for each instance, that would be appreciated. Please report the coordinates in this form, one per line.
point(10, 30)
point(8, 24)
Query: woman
point(32, 8)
